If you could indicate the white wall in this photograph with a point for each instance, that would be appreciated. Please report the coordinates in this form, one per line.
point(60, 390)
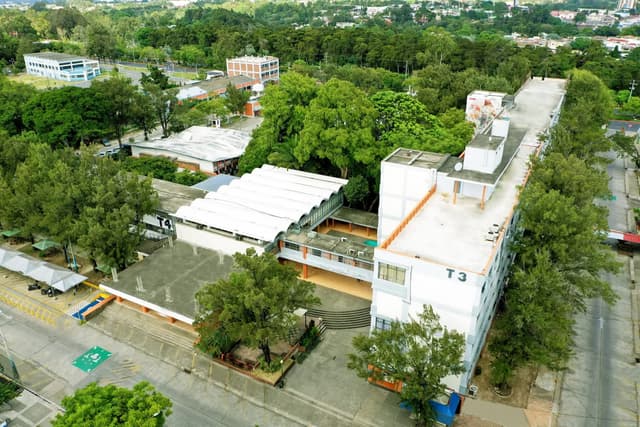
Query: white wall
point(482, 159)
point(210, 240)
point(401, 188)
point(455, 295)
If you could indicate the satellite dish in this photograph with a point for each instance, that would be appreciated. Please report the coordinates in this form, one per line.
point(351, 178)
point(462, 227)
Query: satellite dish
point(458, 167)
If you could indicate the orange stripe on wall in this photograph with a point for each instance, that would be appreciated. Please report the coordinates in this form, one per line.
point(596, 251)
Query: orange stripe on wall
point(408, 218)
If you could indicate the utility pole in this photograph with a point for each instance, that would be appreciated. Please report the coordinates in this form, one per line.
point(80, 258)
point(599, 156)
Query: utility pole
point(631, 88)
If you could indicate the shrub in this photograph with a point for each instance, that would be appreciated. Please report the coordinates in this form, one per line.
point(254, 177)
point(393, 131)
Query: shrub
point(274, 366)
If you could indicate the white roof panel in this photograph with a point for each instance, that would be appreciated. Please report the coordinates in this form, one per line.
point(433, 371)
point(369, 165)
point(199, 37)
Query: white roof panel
point(201, 142)
point(262, 204)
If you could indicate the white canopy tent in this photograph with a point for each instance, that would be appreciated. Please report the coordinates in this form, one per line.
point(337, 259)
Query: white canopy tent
point(21, 264)
point(6, 254)
point(42, 271)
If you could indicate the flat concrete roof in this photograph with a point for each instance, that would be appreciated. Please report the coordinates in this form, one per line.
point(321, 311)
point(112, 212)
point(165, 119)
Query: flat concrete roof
point(419, 159)
point(253, 59)
point(171, 277)
point(338, 243)
point(454, 234)
point(57, 56)
point(356, 217)
point(172, 195)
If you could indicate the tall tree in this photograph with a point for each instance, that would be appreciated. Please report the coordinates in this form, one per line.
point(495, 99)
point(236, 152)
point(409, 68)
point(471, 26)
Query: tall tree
point(155, 76)
point(339, 128)
point(236, 98)
point(255, 303)
point(119, 95)
point(163, 103)
point(419, 353)
point(94, 406)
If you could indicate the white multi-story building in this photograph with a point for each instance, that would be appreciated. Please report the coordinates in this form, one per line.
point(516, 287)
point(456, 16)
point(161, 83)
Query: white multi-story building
point(445, 223)
point(61, 66)
point(263, 68)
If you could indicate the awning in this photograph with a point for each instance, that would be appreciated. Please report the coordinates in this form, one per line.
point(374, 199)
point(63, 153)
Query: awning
point(45, 244)
point(11, 233)
point(5, 254)
point(69, 282)
point(51, 274)
point(21, 264)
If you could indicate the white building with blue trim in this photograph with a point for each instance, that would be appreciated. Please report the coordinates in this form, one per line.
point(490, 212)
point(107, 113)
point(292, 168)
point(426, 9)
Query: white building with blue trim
point(61, 66)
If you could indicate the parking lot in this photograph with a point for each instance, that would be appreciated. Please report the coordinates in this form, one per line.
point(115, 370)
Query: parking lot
point(49, 309)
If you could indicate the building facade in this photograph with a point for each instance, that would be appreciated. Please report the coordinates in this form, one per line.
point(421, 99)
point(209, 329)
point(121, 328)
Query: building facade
point(446, 224)
point(61, 66)
point(262, 68)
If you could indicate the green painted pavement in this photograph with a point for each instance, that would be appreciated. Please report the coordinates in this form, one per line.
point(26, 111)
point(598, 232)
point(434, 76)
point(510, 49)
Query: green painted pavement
point(91, 359)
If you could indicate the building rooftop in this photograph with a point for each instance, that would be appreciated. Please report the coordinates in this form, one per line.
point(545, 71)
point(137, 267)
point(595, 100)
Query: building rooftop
point(511, 148)
point(454, 234)
point(417, 158)
point(356, 217)
point(173, 195)
point(214, 85)
point(253, 59)
point(214, 183)
point(55, 56)
point(201, 142)
point(335, 242)
point(263, 203)
point(171, 277)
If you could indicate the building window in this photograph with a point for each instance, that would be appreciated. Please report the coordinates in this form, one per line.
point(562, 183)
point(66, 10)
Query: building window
point(292, 246)
point(316, 252)
point(383, 324)
point(391, 273)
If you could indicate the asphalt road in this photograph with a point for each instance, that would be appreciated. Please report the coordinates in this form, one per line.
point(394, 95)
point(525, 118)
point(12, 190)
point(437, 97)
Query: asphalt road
point(599, 387)
point(44, 355)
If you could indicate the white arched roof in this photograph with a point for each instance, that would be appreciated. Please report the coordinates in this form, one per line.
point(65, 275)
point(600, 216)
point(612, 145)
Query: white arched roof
point(262, 204)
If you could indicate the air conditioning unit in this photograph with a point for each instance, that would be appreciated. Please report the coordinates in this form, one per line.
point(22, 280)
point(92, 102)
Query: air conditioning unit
point(344, 239)
point(360, 253)
point(351, 251)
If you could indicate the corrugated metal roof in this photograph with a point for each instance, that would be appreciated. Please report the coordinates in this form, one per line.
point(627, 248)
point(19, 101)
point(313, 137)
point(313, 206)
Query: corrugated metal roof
point(262, 204)
point(201, 142)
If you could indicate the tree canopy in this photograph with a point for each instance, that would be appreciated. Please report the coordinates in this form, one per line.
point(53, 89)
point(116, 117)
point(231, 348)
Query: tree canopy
point(255, 304)
point(98, 406)
point(419, 353)
point(75, 199)
point(559, 254)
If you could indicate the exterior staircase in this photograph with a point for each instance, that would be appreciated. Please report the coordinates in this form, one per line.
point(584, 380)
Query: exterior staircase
point(351, 319)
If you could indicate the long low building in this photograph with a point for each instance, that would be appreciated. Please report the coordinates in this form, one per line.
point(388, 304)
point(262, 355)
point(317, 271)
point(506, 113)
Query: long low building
point(61, 66)
point(259, 207)
point(199, 148)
